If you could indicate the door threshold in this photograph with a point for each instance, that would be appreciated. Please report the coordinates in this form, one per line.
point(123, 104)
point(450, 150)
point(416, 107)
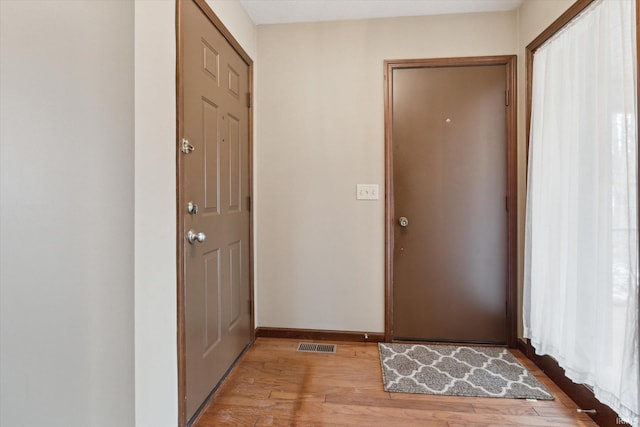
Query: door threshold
point(401, 340)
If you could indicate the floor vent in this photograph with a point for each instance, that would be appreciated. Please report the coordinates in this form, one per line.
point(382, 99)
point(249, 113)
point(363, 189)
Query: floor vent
point(310, 347)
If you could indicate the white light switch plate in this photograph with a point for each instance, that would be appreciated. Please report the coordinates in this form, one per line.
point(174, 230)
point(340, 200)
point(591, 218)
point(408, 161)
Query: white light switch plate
point(367, 191)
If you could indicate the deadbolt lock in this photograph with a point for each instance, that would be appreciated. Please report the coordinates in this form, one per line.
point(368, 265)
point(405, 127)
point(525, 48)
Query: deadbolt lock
point(403, 221)
point(192, 208)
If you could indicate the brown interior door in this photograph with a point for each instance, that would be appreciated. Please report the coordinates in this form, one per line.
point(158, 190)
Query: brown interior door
point(450, 183)
point(215, 178)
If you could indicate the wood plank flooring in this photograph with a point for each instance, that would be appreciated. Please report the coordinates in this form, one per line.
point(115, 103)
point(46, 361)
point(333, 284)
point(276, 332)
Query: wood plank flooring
point(273, 385)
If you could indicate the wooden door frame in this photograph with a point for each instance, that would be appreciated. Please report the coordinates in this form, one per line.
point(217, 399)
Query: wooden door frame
point(512, 180)
point(180, 209)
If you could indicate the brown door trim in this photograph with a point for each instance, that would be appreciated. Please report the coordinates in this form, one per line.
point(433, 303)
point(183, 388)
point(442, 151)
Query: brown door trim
point(180, 211)
point(512, 263)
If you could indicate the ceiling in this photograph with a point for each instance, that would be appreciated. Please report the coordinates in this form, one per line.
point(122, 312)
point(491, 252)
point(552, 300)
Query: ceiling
point(286, 11)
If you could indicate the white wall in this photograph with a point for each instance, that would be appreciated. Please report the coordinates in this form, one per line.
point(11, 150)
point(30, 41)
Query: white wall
point(156, 391)
point(321, 131)
point(534, 16)
point(66, 214)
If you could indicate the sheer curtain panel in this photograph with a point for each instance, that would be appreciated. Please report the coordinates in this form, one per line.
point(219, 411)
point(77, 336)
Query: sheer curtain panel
point(581, 243)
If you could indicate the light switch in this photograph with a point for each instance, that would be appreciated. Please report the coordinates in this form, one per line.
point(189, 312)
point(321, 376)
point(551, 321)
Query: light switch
point(367, 191)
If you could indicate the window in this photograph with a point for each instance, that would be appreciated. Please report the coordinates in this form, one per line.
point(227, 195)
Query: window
point(581, 246)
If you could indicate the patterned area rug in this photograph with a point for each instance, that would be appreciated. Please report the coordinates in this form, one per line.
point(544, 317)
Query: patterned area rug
point(457, 371)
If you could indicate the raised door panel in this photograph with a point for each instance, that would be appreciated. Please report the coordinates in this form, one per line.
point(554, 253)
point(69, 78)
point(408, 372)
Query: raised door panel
point(215, 177)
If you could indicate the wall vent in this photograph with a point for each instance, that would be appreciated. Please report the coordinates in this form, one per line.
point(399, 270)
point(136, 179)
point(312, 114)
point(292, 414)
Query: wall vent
point(310, 347)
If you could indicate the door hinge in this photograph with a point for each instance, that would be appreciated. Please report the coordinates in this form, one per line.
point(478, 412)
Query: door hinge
point(248, 99)
point(506, 203)
point(250, 306)
point(249, 203)
point(506, 97)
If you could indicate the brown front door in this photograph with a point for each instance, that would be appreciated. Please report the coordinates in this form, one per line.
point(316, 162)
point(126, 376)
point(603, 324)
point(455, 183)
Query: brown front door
point(214, 176)
point(449, 134)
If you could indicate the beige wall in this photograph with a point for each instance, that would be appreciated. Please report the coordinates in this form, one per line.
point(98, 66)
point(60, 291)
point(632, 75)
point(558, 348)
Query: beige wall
point(66, 213)
point(156, 398)
point(533, 17)
point(321, 131)
point(238, 22)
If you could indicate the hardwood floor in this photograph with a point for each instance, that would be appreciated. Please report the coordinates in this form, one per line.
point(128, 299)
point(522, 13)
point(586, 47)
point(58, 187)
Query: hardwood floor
point(273, 385)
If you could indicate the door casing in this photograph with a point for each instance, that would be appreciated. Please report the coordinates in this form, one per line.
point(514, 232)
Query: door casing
point(512, 202)
point(180, 210)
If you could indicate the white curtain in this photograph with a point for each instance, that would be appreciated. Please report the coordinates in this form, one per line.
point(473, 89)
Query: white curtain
point(581, 243)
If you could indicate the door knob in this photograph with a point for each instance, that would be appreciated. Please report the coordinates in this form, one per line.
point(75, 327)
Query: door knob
point(194, 237)
point(403, 221)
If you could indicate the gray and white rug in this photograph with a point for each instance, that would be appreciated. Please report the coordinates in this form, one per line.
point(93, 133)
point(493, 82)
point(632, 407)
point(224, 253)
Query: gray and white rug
point(457, 371)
